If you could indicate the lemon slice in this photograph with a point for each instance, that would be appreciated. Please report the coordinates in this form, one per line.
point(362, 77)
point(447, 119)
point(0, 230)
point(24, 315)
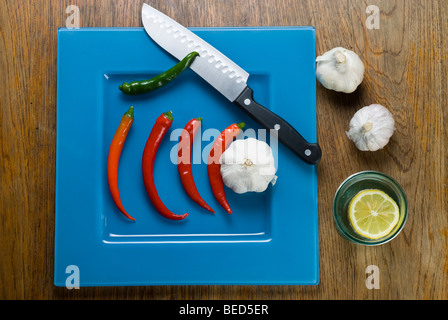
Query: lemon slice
point(373, 214)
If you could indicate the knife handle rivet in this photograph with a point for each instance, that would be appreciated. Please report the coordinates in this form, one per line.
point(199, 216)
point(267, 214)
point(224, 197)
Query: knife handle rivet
point(277, 127)
point(307, 152)
point(247, 102)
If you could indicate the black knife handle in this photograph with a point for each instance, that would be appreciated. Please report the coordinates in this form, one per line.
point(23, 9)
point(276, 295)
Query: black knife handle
point(290, 137)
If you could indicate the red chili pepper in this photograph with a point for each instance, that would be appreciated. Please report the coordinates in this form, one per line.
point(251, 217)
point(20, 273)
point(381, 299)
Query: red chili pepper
point(163, 123)
point(184, 162)
point(114, 157)
point(214, 167)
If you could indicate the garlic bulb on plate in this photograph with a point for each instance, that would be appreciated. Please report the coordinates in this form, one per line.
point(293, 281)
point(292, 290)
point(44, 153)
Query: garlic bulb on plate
point(248, 166)
point(371, 128)
point(340, 70)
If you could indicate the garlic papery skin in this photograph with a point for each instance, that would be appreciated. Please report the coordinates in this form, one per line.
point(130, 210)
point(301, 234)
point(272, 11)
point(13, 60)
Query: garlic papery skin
point(340, 70)
point(371, 128)
point(248, 166)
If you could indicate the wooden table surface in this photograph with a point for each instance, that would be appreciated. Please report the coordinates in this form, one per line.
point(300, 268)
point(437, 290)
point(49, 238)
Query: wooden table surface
point(406, 71)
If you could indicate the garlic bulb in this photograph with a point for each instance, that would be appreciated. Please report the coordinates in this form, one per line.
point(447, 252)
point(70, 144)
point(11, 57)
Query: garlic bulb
point(371, 128)
point(340, 70)
point(248, 166)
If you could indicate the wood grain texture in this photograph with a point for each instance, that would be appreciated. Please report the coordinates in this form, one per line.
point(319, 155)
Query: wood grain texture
point(406, 71)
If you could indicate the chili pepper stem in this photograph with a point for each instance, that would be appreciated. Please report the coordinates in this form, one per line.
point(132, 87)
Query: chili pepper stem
point(130, 112)
point(168, 115)
point(241, 125)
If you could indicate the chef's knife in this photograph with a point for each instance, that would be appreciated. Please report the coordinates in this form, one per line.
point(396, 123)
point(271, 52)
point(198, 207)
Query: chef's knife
point(227, 77)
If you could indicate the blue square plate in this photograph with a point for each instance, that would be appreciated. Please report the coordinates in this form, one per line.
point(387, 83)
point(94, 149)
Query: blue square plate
point(271, 237)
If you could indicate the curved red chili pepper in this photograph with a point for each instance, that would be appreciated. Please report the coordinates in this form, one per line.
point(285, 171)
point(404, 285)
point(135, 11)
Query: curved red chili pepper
point(113, 159)
point(184, 162)
point(214, 167)
point(159, 130)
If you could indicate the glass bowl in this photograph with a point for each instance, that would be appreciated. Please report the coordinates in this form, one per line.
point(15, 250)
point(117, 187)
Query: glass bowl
point(355, 184)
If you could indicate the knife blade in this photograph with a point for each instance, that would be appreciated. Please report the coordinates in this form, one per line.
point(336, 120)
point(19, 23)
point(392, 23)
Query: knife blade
point(226, 77)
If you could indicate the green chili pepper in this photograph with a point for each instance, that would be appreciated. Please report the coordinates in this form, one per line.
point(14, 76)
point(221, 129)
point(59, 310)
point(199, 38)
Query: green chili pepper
point(139, 87)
